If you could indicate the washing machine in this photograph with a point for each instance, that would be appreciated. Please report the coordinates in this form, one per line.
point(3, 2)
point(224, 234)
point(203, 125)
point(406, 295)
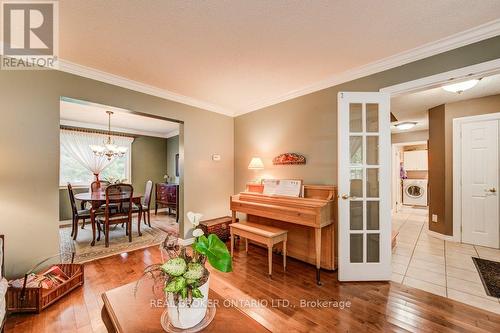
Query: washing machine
point(415, 192)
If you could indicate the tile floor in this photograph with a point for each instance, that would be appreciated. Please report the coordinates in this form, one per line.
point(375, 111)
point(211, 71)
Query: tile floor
point(440, 267)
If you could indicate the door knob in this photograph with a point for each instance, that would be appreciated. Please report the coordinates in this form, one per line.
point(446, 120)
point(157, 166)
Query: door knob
point(492, 190)
point(345, 196)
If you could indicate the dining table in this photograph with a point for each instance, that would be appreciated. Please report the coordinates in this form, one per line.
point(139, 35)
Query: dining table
point(98, 198)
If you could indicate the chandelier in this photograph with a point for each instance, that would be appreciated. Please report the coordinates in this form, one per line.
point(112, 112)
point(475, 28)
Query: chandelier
point(109, 149)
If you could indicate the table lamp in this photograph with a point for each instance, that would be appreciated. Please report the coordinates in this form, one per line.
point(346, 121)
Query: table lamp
point(256, 164)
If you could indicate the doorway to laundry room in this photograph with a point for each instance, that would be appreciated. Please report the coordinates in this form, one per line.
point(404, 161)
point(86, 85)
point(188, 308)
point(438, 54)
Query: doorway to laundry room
point(445, 181)
point(410, 175)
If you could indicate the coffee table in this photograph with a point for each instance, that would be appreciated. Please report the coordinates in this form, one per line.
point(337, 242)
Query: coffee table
point(124, 312)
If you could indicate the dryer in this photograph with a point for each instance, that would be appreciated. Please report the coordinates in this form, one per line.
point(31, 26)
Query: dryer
point(415, 192)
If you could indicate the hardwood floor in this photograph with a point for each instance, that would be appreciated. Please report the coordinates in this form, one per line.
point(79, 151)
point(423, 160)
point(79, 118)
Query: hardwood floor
point(277, 302)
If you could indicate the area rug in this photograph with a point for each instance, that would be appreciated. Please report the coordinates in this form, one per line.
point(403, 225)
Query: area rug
point(118, 241)
point(489, 271)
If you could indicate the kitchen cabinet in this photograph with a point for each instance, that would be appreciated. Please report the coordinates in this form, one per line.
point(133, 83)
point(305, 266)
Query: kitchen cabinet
point(415, 160)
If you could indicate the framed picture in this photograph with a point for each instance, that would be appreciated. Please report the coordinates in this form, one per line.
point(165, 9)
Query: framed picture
point(177, 165)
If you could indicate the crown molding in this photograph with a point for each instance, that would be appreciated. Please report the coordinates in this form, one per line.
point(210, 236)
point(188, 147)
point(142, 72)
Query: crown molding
point(82, 124)
point(470, 36)
point(98, 75)
point(476, 34)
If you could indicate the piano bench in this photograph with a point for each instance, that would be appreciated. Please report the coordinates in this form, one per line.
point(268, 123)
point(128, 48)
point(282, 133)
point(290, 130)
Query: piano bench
point(259, 233)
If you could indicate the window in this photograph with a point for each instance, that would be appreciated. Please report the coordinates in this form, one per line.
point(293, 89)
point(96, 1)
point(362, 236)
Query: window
point(78, 163)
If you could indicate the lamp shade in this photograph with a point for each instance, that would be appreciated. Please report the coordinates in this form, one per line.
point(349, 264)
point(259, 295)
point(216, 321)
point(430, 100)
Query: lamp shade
point(256, 164)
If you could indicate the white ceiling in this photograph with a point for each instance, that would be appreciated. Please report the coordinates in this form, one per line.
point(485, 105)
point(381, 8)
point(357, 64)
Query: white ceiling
point(414, 106)
point(240, 54)
point(89, 115)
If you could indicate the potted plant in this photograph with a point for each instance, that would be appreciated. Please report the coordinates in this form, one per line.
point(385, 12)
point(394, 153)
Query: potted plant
point(184, 277)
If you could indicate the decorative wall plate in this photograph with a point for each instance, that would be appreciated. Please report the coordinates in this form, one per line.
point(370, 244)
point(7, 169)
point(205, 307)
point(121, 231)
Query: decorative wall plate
point(289, 158)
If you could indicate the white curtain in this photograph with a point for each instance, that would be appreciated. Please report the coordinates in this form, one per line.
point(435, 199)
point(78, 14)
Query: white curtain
point(77, 144)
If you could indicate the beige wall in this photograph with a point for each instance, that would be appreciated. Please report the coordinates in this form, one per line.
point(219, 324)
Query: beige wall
point(288, 127)
point(308, 124)
point(29, 137)
point(410, 136)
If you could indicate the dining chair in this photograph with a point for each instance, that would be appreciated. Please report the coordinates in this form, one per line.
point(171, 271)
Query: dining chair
point(98, 185)
point(77, 214)
point(94, 187)
point(118, 210)
point(146, 204)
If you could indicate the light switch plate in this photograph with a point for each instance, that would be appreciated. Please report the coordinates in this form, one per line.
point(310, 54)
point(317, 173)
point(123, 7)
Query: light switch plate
point(216, 157)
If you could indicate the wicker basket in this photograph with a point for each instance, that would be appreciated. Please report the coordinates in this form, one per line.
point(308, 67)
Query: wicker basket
point(218, 226)
point(36, 299)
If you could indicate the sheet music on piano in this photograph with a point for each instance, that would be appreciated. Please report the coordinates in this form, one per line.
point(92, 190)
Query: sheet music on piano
point(286, 187)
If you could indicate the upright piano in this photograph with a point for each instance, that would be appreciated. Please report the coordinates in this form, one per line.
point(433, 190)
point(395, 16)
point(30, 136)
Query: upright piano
point(310, 221)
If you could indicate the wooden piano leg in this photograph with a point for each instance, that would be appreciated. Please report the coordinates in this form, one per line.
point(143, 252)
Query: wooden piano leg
point(317, 243)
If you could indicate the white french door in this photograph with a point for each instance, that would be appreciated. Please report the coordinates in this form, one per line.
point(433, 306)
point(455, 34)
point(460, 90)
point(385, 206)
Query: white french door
point(480, 168)
point(364, 178)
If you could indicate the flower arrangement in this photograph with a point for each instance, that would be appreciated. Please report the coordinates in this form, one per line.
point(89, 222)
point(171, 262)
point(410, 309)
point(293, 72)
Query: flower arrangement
point(114, 181)
point(183, 274)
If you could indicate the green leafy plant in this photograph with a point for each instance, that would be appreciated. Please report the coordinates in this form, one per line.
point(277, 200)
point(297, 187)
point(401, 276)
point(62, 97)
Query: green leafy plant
point(216, 252)
point(182, 274)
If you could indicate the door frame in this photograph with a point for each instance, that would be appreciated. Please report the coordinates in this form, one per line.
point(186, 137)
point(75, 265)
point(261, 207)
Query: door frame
point(395, 173)
point(457, 168)
point(482, 69)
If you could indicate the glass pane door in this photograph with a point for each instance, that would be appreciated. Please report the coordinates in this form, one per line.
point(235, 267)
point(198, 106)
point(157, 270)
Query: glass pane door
point(364, 187)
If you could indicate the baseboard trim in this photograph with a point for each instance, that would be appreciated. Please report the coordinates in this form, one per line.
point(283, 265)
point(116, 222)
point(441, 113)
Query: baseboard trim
point(185, 242)
point(441, 236)
point(68, 222)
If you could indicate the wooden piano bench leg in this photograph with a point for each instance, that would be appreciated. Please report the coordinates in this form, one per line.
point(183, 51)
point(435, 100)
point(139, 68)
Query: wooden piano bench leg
point(270, 257)
point(284, 255)
point(232, 245)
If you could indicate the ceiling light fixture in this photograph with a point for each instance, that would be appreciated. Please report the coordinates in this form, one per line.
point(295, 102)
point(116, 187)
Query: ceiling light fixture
point(405, 125)
point(109, 149)
point(460, 87)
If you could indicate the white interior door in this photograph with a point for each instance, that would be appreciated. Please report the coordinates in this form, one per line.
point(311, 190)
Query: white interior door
point(395, 178)
point(364, 179)
point(480, 204)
